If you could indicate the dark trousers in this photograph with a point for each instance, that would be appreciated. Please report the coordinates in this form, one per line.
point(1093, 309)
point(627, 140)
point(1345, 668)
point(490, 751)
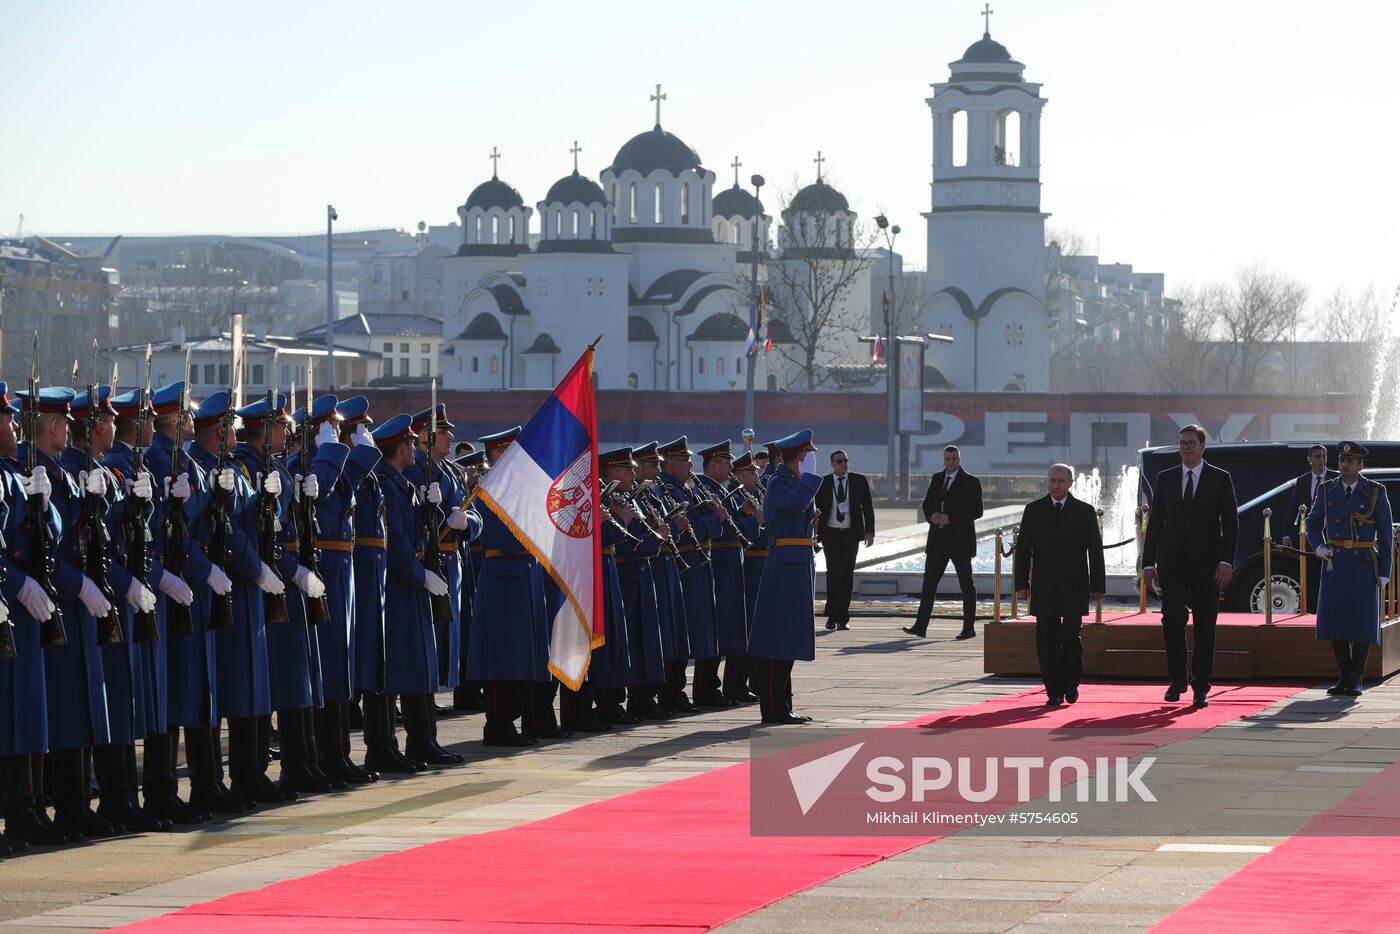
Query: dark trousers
point(1061, 652)
point(1187, 592)
point(736, 676)
point(773, 678)
point(706, 684)
point(935, 564)
point(504, 705)
point(158, 779)
point(840, 546)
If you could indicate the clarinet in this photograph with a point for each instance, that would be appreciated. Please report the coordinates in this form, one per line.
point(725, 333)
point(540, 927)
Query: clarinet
point(707, 499)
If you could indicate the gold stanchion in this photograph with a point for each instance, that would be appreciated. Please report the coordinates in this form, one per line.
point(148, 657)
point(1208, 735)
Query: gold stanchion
point(1268, 570)
point(1302, 559)
point(1098, 603)
point(996, 583)
point(1015, 595)
point(1141, 541)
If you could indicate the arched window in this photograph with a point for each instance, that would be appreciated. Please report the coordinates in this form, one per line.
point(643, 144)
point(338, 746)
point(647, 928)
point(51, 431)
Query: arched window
point(737, 228)
point(658, 208)
point(632, 203)
point(723, 230)
point(960, 140)
point(632, 381)
point(495, 364)
point(772, 383)
point(738, 366)
point(685, 202)
point(719, 366)
point(495, 230)
point(701, 361)
point(1008, 136)
point(476, 227)
point(616, 201)
point(512, 228)
point(593, 223)
point(476, 364)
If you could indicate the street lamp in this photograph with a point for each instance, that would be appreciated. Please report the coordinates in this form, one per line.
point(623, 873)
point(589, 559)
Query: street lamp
point(331, 217)
point(892, 359)
point(757, 182)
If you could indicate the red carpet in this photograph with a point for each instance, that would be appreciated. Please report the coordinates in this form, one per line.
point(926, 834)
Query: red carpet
point(1330, 880)
point(677, 857)
point(1154, 618)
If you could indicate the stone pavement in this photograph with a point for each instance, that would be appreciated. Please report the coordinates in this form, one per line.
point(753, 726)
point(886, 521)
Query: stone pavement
point(870, 675)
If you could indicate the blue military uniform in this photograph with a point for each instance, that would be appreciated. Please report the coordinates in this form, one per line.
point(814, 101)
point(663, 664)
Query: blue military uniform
point(727, 566)
point(784, 625)
point(1354, 527)
point(639, 600)
point(666, 570)
point(611, 667)
point(468, 694)
point(755, 557)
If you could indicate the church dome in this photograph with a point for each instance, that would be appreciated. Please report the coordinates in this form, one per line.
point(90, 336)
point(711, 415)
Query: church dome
point(652, 150)
point(819, 198)
point(575, 188)
point(736, 202)
point(986, 51)
point(494, 193)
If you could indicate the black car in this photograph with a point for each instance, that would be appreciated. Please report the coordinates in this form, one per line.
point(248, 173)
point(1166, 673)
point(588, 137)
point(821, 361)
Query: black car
point(1263, 474)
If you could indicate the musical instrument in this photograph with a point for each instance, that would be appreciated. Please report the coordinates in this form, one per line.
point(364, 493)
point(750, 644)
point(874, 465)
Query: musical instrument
point(674, 509)
point(709, 501)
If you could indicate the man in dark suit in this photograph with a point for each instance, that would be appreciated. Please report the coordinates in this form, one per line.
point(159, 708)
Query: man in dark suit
point(848, 518)
point(1305, 490)
point(952, 506)
point(1060, 544)
point(1188, 555)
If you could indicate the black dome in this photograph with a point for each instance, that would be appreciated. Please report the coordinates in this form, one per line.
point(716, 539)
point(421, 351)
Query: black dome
point(736, 202)
point(494, 193)
point(652, 150)
point(573, 188)
point(819, 198)
point(985, 50)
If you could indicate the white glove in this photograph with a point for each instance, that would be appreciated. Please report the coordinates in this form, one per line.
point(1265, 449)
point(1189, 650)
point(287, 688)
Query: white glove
point(809, 463)
point(4, 613)
point(141, 486)
point(433, 584)
point(226, 480)
point(92, 598)
point(310, 486)
point(1384, 581)
point(456, 519)
point(140, 598)
point(362, 435)
point(434, 493)
point(218, 581)
point(1323, 551)
point(94, 482)
point(35, 600)
point(310, 582)
point(272, 483)
point(326, 434)
point(180, 489)
point(38, 484)
point(174, 587)
point(269, 582)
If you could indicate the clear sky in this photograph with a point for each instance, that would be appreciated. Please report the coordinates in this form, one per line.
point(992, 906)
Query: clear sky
point(1184, 137)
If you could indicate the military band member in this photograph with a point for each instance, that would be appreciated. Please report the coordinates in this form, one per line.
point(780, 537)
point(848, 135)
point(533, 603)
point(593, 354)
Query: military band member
point(1349, 528)
point(613, 668)
point(510, 633)
point(784, 621)
point(727, 565)
point(343, 455)
point(410, 658)
point(243, 694)
point(634, 557)
point(746, 472)
point(666, 574)
point(468, 695)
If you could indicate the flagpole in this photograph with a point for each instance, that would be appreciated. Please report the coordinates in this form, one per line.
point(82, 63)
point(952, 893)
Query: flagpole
point(752, 361)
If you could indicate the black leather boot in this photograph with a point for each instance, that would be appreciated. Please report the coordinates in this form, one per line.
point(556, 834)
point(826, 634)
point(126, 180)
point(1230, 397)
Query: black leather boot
point(1359, 651)
point(1341, 651)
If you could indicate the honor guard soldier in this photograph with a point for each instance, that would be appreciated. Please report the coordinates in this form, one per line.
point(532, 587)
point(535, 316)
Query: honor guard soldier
point(1349, 528)
point(727, 566)
point(343, 455)
point(243, 694)
point(746, 472)
point(784, 622)
point(468, 694)
point(649, 532)
point(666, 573)
point(697, 580)
point(24, 736)
point(410, 657)
point(611, 670)
point(509, 647)
point(767, 461)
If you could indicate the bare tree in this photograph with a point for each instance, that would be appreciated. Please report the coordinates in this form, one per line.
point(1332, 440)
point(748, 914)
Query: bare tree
point(1183, 362)
point(816, 285)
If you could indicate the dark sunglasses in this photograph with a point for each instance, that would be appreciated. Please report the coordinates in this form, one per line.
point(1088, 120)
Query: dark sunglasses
point(839, 460)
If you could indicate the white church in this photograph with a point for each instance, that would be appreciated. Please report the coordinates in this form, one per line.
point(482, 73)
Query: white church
point(659, 265)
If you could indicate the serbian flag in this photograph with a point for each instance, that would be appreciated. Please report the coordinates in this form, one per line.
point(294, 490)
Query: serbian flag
point(877, 351)
point(751, 345)
point(545, 489)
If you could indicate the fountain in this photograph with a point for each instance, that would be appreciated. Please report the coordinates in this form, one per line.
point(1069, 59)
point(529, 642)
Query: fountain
point(1383, 420)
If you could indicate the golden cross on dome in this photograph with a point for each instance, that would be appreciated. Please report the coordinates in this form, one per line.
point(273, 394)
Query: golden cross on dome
point(735, 166)
point(987, 12)
point(658, 97)
point(819, 160)
point(576, 150)
point(495, 159)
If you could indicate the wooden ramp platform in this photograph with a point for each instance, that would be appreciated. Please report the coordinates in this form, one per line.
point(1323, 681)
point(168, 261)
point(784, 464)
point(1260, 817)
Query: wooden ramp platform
point(1129, 645)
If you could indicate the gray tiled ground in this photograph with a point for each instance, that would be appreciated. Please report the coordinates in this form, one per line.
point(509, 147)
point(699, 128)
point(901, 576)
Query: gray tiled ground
point(871, 675)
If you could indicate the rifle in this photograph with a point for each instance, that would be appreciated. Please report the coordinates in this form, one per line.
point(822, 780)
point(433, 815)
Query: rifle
point(308, 555)
point(269, 547)
point(177, 527)
point(220, 522)
point(43, 544)
point(94, 541)
point(134, 528)
point(432, 550)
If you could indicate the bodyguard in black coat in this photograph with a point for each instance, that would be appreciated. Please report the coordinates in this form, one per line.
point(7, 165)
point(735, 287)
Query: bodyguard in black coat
point(1304, 492)
point(1059, 565)
point(847, 519)
point(1190, 549)
point(952, 506)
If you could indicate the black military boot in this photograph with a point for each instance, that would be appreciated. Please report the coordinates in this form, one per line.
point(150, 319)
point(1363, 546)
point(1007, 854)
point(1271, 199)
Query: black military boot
point(1359, 651)
point(418, 727)
point(1341, 651)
